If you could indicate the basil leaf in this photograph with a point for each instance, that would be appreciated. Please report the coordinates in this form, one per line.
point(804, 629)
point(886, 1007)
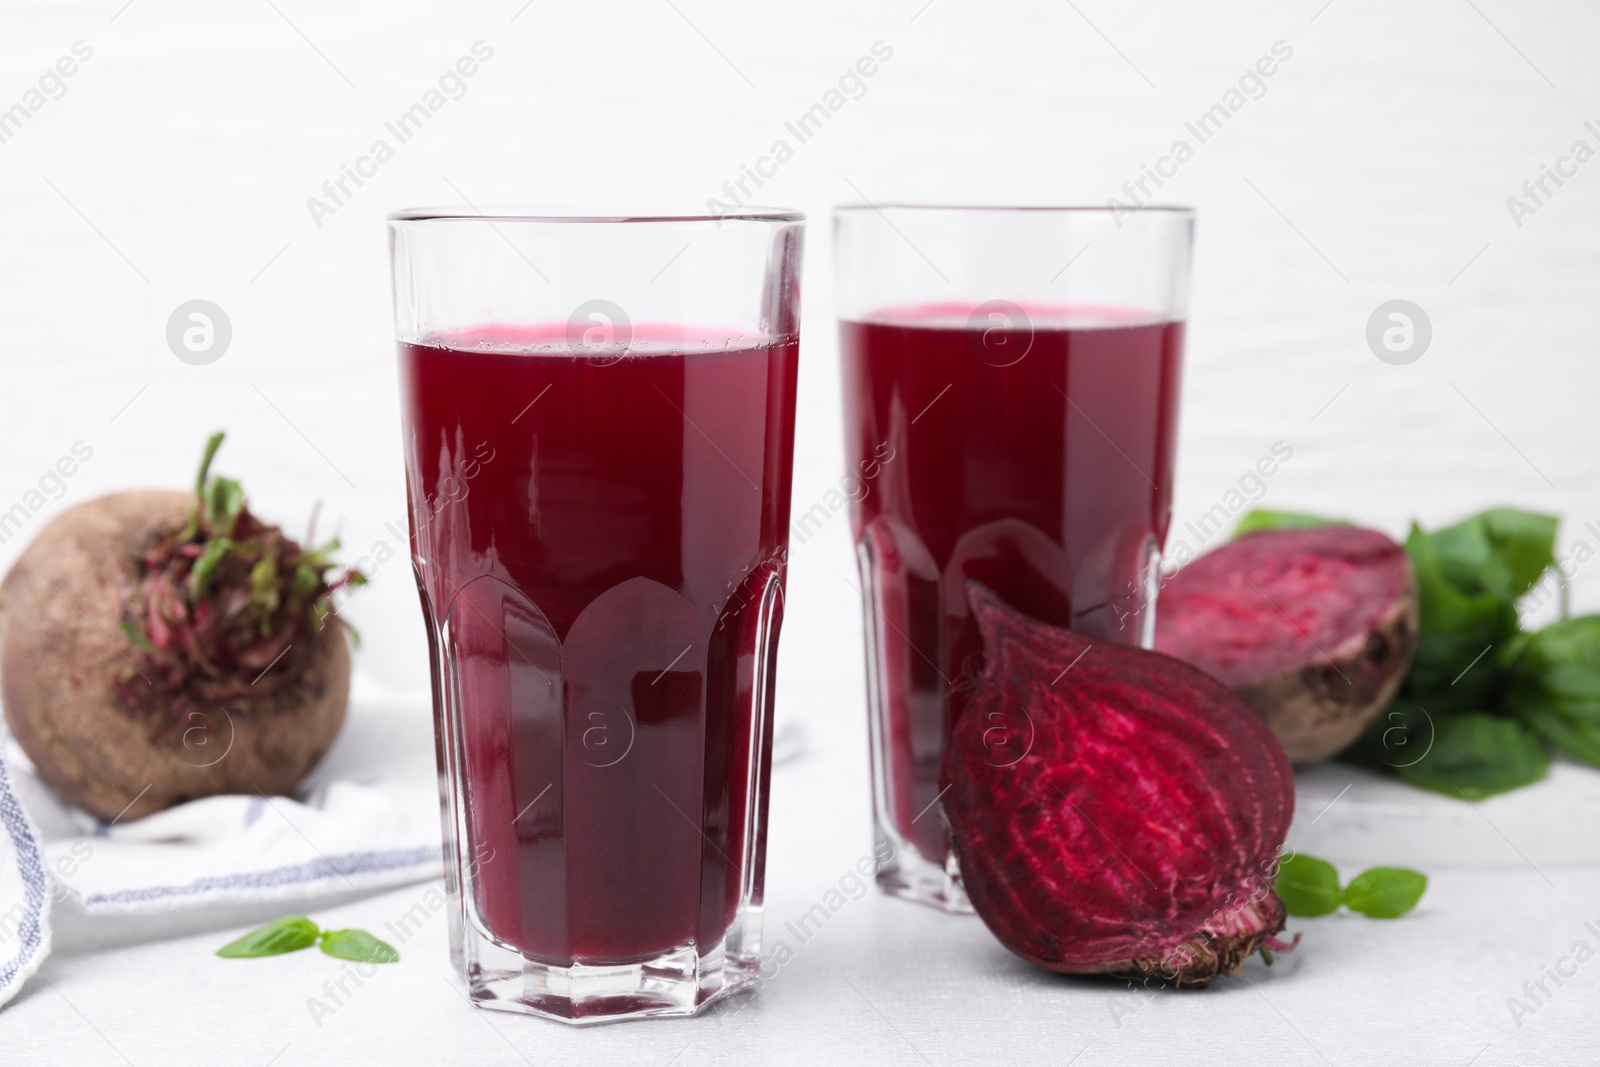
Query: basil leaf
point(1501, 551)
point(1477, 755)
point(358, 945)
point(1307, 886)
point(1453, 670)
point(1511, 651)
point(1563, 659)
point(1574, 730)
point(288, 934)
point(1555, 686)
point(1262, 519)
point(1385, 892)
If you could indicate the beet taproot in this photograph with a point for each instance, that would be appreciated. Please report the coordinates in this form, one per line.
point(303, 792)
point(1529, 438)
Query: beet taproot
point(1314, 628)
point(1114, 811)
point(140, 666)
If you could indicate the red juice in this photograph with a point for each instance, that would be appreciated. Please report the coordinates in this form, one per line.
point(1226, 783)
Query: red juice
point(1040, 466)
point(600, 547)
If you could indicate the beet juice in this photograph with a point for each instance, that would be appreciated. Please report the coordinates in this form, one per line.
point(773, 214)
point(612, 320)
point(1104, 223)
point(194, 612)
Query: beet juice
point(600, 546)
point(1035, 459)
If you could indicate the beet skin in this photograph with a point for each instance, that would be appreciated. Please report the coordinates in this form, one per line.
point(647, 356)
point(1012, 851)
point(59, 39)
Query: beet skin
point(65, 653)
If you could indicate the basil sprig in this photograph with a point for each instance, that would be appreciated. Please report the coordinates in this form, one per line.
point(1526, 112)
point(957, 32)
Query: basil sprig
point(1310, 887)
point(291, 933)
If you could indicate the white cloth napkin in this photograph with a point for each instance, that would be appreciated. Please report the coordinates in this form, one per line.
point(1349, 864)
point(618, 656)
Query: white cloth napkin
point(24, 894)
point(366, 820)
point(245, 849)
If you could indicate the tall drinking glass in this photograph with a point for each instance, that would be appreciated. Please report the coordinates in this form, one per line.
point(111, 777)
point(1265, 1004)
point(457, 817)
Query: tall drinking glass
point(1011, 393)
point(599, 436)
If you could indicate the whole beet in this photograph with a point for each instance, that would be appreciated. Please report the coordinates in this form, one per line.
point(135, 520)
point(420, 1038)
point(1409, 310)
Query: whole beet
point(1114, 811)
point(133, 684)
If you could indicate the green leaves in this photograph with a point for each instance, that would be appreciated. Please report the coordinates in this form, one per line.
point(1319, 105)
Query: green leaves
point(1500, 551)
point(1555, 685)
point(1458, 629)
point(1309, 887)
point(1262, 519)
point(206, 566)
point(1385, 892)
point(136, 635)
point(1475, 755)
point(1470, 576)
point(358, 945)
point(224, 502)
point(213, 443)
point(291, 933)
point(1483, 699)
point(218, 504)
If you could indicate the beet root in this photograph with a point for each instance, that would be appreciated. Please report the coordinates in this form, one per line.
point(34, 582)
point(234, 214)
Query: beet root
point(1313, 628)
point(67, 661)
point(1114, 811)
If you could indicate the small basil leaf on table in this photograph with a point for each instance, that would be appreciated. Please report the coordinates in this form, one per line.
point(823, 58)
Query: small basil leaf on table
point(291, 933)
point(1307, 886)
point(358, 945)
point(1385, 892)
point(1262, 519)
point(1475, 755)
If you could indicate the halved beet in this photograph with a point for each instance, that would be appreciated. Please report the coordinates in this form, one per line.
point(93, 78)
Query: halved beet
point(1114, 811)
point(1313, 628)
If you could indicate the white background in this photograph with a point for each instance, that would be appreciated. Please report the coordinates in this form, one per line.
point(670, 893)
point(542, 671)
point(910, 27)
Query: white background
point(1376, 166)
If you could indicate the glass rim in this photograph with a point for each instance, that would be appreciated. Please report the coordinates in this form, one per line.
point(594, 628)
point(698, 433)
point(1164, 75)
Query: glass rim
point(520, 214)
point(1103, 209)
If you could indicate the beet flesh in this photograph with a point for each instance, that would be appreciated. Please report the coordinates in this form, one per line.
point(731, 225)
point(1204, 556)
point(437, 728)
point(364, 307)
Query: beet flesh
point(1114, 811)
point(1313, 628)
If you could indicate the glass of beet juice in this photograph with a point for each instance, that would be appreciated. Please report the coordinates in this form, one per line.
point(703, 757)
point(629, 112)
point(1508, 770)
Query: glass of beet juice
point(599, 435)
point(1011, 392)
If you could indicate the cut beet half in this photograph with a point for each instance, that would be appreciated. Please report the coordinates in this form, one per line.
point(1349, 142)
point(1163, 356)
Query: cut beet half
point(1313, 628)
point(1115, 811)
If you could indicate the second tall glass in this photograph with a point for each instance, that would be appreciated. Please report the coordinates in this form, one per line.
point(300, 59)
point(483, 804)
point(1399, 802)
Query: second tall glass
point(1011, 393)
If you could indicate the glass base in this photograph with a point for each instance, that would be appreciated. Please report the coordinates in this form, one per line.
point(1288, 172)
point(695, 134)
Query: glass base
point(909, 875)
point(682, 982)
